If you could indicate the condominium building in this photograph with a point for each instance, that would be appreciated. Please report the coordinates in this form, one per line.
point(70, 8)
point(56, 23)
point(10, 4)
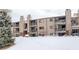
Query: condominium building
point(48, 26)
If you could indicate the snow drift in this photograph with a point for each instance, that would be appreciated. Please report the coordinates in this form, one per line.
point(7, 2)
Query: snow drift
point(46, 43)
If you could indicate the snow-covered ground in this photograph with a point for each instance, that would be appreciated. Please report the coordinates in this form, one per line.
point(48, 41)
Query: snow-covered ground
point(46, 43)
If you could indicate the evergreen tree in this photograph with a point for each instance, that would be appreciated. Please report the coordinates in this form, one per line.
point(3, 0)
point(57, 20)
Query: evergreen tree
point(5, 29)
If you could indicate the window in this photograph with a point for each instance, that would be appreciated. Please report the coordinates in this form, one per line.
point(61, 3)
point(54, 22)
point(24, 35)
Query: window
point(17, 24)
point(75, 32)
point(41, 20)
point(17, 29)
point(61, 27)
point(51, 19)
point(33, 22)
point(41, 27)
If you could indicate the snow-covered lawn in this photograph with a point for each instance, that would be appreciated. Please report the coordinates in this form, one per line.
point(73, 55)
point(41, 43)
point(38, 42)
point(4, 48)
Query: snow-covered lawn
point(46, 43)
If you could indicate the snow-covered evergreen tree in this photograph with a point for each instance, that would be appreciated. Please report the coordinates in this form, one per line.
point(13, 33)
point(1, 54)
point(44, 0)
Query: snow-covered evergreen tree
point(5, 29)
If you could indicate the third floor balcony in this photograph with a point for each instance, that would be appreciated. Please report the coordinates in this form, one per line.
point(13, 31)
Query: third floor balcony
point(33, 22)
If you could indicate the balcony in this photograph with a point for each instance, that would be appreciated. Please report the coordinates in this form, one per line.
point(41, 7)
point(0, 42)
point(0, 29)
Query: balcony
point(63, 29)
point(33, 29)
point(60, 27)
point(15, 24)
point(33, 22)
point(74, 23)
point(75, 32)
point(75, 26)
point(60, 31)
point(60, 21)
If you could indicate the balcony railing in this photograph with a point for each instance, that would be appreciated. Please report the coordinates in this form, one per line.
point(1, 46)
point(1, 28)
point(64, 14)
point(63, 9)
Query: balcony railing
point(62, 20)
point(33, 22)
point(75, 24)
point(63, 29)
point(33, 29)
point(75, 34)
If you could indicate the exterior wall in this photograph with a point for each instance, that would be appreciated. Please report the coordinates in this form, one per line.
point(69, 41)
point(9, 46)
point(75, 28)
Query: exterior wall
point(20, 29)
point(21, 25)
point(49, 25)
point(33, 28)
point(28, 23)
point(42, 30)
point(60, 25)
point(12, 31)
point(68, 21)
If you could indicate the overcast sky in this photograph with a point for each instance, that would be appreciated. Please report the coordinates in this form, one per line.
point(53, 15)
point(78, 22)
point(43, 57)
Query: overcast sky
point(37, 13)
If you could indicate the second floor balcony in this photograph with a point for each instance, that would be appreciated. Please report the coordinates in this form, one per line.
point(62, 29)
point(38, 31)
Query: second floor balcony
point(33, 29)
